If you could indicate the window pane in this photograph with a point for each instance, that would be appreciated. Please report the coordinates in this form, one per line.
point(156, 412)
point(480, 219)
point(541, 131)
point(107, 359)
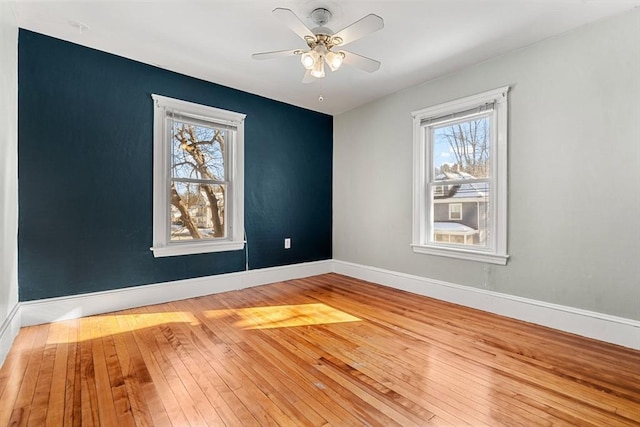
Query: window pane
point(461, 149)
point(198, 151)
point(462, 216)
point(197, 211)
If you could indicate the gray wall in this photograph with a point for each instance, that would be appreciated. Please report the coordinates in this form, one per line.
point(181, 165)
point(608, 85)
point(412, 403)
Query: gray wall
point(574, 178)
point(8, 161)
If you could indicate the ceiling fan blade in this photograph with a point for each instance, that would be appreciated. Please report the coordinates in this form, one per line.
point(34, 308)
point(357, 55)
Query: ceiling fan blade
point(275, 54)
point(367, 25)
point(308, 78)
point(292, 21)
point(367, 64)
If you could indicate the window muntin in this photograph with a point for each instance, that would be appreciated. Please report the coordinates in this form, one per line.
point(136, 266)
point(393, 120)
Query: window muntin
point(198, 178)
point(460, 178)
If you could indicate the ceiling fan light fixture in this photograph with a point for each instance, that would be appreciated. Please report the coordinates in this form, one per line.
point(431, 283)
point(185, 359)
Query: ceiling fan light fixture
point(318, 69)
point(309, 59)
point(334, 60)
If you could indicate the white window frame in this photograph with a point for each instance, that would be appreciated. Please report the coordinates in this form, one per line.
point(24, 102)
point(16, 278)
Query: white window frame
point(162, 245)
point(496, 250)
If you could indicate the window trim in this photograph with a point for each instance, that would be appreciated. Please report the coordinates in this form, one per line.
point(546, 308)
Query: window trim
point(162, 245)
point(496, 252)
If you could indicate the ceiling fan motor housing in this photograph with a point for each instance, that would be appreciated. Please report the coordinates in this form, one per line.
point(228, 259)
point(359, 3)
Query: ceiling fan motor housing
point(321, 16)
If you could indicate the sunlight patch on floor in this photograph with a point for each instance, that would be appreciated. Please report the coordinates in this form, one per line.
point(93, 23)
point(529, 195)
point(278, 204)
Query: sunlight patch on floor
point(283, 316)
point(94, 327)
point(265, 317)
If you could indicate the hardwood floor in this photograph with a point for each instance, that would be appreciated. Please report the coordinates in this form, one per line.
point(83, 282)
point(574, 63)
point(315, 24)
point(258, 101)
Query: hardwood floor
point(327, 350)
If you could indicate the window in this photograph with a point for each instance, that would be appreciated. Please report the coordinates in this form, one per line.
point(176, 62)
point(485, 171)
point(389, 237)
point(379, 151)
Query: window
point(198, 183)
point(461, 146)
point(439, 190)
point(455, 211)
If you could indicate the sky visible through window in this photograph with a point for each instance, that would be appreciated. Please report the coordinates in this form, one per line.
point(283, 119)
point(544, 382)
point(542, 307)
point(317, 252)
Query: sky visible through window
point(465, 143)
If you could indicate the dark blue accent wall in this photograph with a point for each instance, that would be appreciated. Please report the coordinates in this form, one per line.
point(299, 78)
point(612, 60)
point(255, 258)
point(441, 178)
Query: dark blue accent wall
point(85, 147)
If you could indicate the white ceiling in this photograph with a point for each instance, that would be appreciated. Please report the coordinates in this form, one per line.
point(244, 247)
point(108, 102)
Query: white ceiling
point(213, 40)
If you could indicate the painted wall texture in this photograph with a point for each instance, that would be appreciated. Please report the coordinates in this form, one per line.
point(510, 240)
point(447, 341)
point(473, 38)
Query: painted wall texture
point(8, 161)
point(85, 171)
point(574, 172)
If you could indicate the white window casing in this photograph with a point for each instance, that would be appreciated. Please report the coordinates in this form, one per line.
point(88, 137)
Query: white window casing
point(165, 110)
point(495, 249)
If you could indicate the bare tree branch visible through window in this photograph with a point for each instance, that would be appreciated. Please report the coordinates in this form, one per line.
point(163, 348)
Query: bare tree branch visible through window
point(469, 142)
point(199, 153)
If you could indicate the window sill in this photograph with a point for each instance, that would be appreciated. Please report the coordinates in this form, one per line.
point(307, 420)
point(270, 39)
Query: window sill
point(468, 255)
point(196, 248)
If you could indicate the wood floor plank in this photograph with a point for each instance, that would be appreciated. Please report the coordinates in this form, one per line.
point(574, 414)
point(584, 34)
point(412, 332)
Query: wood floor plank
point(179, 365)
point(267, 365)
point(59, 336)
point(105, 398)
point(327, 350)
point(279, 387)
point(40, 401)
point(265, 410)
point(125, 392)
point(73, 387)
point(146, 404)
point(89, 414)
point(13, 371)
point(22, 405)
point(216, 354)
point(121, 403)
point(179, 335)
point(174, 396)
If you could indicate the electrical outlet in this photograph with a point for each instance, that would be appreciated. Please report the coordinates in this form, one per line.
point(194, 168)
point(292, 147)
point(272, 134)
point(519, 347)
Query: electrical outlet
point(287, 243)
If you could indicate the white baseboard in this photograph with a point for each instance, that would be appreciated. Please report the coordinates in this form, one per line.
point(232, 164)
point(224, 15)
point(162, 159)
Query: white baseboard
point(74, 306)
point(8, 331)
point(603, 327)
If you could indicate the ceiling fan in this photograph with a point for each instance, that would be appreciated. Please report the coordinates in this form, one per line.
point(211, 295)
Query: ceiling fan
point(323, 43)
